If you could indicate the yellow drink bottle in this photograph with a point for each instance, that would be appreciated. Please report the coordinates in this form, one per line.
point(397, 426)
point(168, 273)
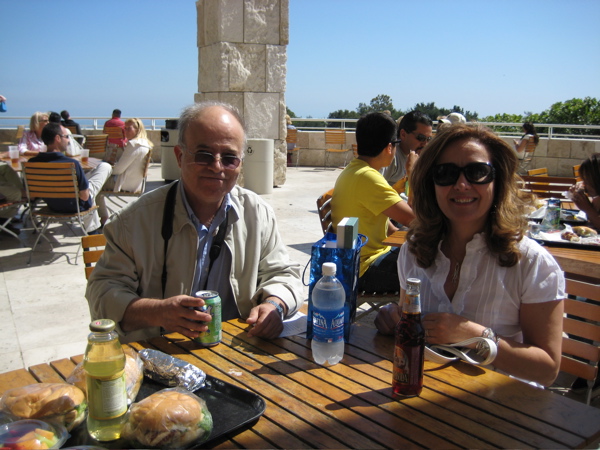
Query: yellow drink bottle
point(104, 365)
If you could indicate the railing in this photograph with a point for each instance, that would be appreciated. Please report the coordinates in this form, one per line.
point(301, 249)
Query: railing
point(86, 123)
point(156, 123)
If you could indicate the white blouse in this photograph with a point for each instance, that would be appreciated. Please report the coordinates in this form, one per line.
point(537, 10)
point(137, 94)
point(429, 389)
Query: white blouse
point(129, 169)
point(487, 293)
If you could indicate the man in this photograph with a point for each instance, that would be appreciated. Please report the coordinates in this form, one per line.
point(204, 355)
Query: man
point(115, 121)
point(414, 132)
point(361, 191)
point(222, 238)
point(56, 138)
point(68, 122)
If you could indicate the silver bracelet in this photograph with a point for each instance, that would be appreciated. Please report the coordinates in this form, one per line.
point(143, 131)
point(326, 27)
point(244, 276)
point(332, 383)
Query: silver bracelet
point(277, 306)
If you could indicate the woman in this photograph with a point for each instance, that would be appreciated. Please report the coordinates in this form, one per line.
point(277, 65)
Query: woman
point(128, 171)
point(589, 171)
point(480, 275)
point(31, 142)
point(521, 144)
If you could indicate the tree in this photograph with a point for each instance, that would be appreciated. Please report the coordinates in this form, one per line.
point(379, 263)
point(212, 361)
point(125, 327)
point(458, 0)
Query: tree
point(380, 103)
point(575, 111)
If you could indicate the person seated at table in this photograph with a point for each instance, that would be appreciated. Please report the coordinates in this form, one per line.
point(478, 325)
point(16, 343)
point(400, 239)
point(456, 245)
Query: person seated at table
point(415, 130)
point(56, 139)
point(361, 191)
point(480, 275)
point(128, 171)
point(521, 144)
point(222, 238)
point(74, 147)
point(589, 171)
point(31, 142)
point(68, 122)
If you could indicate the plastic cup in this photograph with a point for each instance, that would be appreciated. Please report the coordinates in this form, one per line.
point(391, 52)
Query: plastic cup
point(13, 153)
point(85, 154)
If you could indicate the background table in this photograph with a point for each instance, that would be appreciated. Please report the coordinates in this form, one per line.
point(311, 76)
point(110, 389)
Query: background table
point(350, 405)
point(88, 165)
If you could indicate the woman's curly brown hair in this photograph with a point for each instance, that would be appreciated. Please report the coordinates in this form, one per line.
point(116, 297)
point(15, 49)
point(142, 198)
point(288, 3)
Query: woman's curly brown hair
point(507, 216)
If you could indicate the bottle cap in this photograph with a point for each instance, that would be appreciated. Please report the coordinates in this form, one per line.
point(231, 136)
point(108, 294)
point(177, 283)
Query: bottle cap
point(329, 269)
point(413, 282)
point(102, 325)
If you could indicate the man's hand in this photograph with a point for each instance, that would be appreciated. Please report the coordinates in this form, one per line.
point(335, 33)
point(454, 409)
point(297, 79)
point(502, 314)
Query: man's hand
point(387, 318)
point(266, 320)
point(173, 314)
point(410, 162)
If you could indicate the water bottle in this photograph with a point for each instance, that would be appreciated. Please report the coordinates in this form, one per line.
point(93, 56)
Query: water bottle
point(328, 298)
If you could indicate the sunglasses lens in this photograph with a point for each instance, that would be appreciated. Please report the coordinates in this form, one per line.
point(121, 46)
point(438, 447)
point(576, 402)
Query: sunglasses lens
point(230, 161)
point(445, 174)
point(203, 158)
point(478, 173)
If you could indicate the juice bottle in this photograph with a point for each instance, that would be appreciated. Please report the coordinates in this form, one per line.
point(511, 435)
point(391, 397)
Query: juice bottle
point(104, 365)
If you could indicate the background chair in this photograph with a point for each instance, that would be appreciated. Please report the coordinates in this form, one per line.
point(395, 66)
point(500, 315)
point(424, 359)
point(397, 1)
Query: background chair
point(18, 136)
point(4, 223)
point(292, 138)
point(528, 155)
point(93, 247)
point(52, 180)
point(96, 143)
point(374, 300)
point(576, 172)
point(581, 334)
point(547, 187)
point(78, 137)
point(335, 137)
point(541, 172)
point(117, 198)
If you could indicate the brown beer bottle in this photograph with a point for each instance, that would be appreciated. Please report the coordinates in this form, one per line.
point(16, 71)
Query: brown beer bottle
point(409, 351)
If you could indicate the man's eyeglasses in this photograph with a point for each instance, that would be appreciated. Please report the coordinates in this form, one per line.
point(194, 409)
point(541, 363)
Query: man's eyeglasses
point(66, 136)
point(207, 158)
point(476, 173)
point(421, 137)
point(396, 142)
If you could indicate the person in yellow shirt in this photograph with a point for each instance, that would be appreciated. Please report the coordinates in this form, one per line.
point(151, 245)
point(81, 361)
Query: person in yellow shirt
point(362, 191)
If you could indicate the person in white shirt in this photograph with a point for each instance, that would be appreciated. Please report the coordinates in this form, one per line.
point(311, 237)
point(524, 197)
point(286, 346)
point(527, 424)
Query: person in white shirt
point(480, 276)
point(128, 171)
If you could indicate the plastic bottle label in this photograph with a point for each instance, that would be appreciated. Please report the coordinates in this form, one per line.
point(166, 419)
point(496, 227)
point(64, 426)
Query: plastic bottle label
point(328, 325)
point(108, 397)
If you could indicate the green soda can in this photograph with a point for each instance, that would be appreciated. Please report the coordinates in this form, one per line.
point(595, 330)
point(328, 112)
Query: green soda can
point(212, 336)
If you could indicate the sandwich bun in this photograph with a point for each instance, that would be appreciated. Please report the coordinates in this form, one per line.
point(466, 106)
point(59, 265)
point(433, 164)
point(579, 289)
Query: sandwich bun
point(170, 418)
point(51, 402)
point(585, 231)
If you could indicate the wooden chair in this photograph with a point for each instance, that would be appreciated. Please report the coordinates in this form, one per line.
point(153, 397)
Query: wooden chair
point(292, 138)
point(374, 300)
point(18, 136)
point(335, 137)
point(355, 150)
point(527, 156)
point(97, 143)
point(52, 180)
point(114, 133)
point(581, 334)
point(547, 187)
point(117, 198)
point(576, 172)
point(78, 137)
point(541, 172)
point(93, 247)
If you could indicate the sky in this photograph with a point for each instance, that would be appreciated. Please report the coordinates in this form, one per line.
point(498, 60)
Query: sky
point(486, 56)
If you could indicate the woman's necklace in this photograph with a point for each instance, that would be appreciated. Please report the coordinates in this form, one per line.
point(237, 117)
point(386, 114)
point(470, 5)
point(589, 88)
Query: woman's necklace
point(456, 273)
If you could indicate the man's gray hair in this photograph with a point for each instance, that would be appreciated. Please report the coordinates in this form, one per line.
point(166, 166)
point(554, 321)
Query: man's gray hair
point(189, 113)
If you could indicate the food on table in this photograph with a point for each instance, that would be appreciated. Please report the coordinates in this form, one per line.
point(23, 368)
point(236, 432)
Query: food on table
point(32, 434)
point(52, 402)
point(585, 231)
point(170, 418)
point(570, 236)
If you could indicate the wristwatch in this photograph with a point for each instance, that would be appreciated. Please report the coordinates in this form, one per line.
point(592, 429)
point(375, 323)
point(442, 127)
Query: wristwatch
point(277, 306)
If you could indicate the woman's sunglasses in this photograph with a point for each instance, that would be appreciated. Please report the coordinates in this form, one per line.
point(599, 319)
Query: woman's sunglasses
point(206, 158)
point(476, 173)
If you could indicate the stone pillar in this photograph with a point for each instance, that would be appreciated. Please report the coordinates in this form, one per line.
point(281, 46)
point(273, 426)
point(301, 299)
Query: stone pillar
point(242, 58)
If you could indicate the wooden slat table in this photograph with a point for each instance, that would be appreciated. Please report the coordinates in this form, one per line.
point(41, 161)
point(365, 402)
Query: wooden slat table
point(571, 260)
point(350, 405)
point(88, 165)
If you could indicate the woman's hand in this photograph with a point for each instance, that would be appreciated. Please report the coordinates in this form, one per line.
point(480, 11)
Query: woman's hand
point(447, 328)
point(387, 318)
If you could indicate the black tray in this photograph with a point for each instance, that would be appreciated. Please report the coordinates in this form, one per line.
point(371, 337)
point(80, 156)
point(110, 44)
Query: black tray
point(232, 408)
point(566, 244)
